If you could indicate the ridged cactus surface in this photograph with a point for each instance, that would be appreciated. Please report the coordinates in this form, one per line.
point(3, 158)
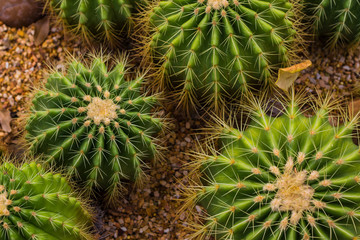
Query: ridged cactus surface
point(335, 20)
point(95, 123)
point(35, 204)
point(211, 50)
point(96, 19)
point(287, 177)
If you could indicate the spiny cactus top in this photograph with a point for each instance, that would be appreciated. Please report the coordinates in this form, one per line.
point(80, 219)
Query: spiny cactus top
point(35, 204)
point(96, 19)
point(288, 177)
point(211, 50)
point(95, 123)
point(335, 20)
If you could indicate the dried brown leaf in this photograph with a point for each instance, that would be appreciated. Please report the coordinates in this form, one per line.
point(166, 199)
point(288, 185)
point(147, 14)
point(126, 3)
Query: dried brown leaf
point(287, 76)
point(354, 107)
point(42, 29)
point(5, 119)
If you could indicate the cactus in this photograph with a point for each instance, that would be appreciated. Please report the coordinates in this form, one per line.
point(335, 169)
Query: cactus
point(96, 19)
point(95, 124)
point(35, 204)
point(210, 51)
point(335, 20)
point(285, 176)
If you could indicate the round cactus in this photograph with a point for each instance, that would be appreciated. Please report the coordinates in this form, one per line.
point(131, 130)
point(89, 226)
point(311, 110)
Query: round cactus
point(209, 51)
point(335, 20)
point(95, 123)
point(35, 204)
point(96, 19)
point(283, 177)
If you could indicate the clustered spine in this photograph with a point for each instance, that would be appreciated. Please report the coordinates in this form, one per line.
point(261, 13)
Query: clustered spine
point(207, 52)
point(96, 124)
point(335, 21)
point(282, 177)
point(104, 21)
point(36, 204)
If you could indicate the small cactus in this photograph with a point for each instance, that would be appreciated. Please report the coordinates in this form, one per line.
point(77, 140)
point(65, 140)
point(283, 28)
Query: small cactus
point(96, 19)
point(209, 51)
point(285, 176)
point(95, 124)
point(35, 204)
point(337, 21)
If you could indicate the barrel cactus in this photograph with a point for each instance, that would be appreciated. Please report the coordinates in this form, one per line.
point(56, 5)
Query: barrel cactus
point(96, 19)
point(210, 51)
point(283, 177)
point(335, 20)
point(96, 124)
point(35, 204)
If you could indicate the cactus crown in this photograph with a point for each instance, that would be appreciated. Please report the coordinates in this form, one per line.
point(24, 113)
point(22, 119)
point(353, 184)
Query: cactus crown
point(94, 19)
point(210, 51)
point(284, 176)
point(35, 204)
point(335, 20)
point(95, 123)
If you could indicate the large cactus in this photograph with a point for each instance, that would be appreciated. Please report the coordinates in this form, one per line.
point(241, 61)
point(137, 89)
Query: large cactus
point(208, 51)
point(283, 177)
point(35, 204)
point(335, 20)
point(96, 19)
point(95, 123)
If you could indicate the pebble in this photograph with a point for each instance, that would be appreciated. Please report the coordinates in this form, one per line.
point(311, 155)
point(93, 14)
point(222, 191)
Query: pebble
point(335, 71)
point(150, 211)
point(22, 64)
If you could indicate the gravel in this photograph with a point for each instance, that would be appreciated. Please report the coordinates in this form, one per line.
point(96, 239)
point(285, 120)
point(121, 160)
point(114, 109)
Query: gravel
point(150, 211)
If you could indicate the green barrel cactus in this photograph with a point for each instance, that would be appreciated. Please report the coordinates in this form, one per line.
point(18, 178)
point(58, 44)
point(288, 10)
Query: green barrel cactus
point(283, 177)
point(35, 204)
point(96, 124)
point(96, 19)
point(337, 21)
point(209, 51)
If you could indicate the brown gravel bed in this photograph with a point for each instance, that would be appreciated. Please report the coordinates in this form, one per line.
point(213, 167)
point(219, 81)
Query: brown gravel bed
point(336, 71)
point(22, 65)
point(151, 211)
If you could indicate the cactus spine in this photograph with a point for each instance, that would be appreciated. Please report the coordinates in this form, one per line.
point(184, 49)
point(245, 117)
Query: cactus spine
point(286, 177)
point(35, 204)
point(96, 19)
point(210, 51)
point(95, 124)
point(335, 20)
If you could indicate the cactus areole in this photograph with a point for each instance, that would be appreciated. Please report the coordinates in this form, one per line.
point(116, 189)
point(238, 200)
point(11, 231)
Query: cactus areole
point(4, 203)
point(288, 177)
point(35, 204)
point(213, 50)
point(95, 123)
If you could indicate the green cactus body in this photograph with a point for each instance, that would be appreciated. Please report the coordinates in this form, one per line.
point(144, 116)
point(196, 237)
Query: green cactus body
point(288, 177)
point(96, 19)
point(335, 20)
point(210, 51)
point(35, 204)
point(95, 123)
